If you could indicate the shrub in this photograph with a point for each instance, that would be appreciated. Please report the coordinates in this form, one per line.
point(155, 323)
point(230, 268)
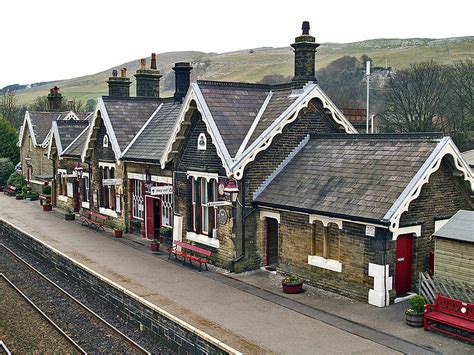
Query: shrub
point(6, 169)
point(17, 180)
point(416, 305)
point(166, 232)
point(292, 280)
point(47, 190)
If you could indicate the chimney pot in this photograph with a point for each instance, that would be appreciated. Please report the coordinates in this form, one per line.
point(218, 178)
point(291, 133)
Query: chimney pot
point(54, 99)
point(142, 63)
point(123, 73)
point(305, 27)
point(153, 61)
point(114, 73)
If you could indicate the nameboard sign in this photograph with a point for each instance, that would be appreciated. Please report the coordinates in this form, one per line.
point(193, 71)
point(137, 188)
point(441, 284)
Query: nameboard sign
point(112, 182)
point(370, 231)
point(219, 203)
point(161, 190)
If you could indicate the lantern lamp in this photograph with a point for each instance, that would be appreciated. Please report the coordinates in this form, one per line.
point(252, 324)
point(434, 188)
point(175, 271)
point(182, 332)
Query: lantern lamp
point(79, 170)
point(232, 189)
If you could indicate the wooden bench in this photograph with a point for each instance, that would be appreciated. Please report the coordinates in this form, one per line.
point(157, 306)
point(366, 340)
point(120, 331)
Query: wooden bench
point(189, 252)
point(450, 312)
point(11, 190)
point(93, 219)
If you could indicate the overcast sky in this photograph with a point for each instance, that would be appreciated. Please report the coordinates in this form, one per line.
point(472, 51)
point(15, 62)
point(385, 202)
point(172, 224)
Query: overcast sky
point(48, 40)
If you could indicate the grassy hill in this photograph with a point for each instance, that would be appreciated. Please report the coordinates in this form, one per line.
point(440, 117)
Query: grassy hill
point(251, 67)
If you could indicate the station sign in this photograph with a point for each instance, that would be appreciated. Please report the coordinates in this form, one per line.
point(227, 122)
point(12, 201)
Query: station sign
point(112, 182)
point(161, 190)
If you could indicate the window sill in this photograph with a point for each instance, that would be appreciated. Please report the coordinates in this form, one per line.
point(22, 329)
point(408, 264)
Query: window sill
point(203, 239)
point(328, 264)
point(108, 212)
point(62, 198)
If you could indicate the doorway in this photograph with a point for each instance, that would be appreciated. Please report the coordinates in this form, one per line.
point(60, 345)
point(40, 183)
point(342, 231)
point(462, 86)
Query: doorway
point(77, 196)
point(272, 241)
point(403, 263)
point(153, 217)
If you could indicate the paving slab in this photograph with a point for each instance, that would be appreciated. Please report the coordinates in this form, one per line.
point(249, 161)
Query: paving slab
point(247, 314)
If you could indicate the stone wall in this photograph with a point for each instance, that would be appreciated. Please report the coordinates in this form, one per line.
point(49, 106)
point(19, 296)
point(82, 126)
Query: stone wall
point(126, 305)
point(298, 238)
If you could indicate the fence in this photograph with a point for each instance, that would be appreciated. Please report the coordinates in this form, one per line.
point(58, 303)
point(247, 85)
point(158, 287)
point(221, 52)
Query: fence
point(430, 286)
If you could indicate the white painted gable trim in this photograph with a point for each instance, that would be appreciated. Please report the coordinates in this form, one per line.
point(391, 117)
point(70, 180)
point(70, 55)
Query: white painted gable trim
point(90, 129)
point(59, 148)
point(254, 123)
point(269, 214)
point(27, 123)
point(71, 116)
point(194, 94)
point(412, 191)
point(325, 220)
point(142, 129)
point(310, 91)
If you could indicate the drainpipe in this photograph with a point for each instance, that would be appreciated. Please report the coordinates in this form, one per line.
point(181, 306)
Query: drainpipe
point(53, 183)
point(91, 202)
point(243, 218)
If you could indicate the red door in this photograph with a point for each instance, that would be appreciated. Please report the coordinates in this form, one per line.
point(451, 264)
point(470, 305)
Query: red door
point(150, 217)
point(403, 263)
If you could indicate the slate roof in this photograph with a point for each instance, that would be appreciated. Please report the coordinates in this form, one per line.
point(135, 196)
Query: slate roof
point(128, 115)
point(348, 175)
point(41, 123)
point(151, 141)
point(459, 227)
point(69, 130)
point(76, 147)
point(234, 107)
point(469, 157)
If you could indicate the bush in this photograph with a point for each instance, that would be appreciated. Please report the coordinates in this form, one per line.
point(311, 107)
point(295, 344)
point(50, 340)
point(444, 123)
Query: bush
point(6, 169)
point(166, 232)
point(9, 138)
point(17, 180)
point(47, 190)
point(292, 280)
point(416, 305)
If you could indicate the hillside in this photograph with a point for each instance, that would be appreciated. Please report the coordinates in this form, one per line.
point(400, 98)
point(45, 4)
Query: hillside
point(243, 65)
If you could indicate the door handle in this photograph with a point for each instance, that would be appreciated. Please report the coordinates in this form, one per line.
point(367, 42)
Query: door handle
point(401, 259)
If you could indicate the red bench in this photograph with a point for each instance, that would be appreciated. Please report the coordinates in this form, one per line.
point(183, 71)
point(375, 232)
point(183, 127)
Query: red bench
point(11, 190)
point(450, 312)
point(190, 253)
point(93, 219)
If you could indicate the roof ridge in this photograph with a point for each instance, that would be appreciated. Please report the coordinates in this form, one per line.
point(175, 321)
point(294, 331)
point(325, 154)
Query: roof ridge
point(234, 84)
point(379, 136)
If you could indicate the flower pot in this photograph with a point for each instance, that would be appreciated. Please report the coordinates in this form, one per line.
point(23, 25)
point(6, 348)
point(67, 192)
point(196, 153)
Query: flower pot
point(47, 208)
point(415, 320)
point(70, 217)
point(155, 246)
point(295, 288)
point(1, 188)
point(118, 233)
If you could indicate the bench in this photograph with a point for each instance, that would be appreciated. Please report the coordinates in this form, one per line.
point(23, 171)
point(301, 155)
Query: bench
point(93, 219)
point(189, 252)
point(11, 190)
point(450, 312)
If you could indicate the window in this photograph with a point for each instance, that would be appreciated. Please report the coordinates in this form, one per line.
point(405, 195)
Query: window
point(167, 210)
point(105, 142)
point(85, 188)
point(108, 191)
point(62, 182)
point(137, 199)
point(201, 142)
point(203, 216)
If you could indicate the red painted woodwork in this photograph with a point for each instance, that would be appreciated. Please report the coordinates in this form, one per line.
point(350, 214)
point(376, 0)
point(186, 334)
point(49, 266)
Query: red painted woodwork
point(403, 263)
point(77, 197)
point(150, 217)
point(451, 312)
point(272, 241)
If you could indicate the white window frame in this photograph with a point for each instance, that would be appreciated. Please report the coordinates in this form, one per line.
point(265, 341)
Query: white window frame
point(105, 141)
point(204, 190)
point(138, 210)
point(167, 210)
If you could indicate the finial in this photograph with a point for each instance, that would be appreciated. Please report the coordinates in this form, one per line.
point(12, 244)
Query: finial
point(305, 27)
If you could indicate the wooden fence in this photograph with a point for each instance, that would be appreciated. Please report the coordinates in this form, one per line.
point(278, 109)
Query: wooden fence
point(430, 286)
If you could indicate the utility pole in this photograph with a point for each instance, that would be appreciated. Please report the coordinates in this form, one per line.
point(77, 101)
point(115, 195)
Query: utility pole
point(367, 76)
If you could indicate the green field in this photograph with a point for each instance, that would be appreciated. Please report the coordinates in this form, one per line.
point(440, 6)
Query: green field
point(252, 67)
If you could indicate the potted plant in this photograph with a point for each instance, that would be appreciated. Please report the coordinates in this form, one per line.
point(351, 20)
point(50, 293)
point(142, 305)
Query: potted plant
point(20, 196)
point(69, 216)
point(118, 230)
point(292, 284)
point(414, 311)
point(47, 198)
point(155, 245)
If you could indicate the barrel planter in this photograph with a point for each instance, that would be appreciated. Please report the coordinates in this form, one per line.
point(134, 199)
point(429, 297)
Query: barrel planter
point(414, 320)
point(70, 216)
point(47, 208)
point(118, 233)
point(155, 246)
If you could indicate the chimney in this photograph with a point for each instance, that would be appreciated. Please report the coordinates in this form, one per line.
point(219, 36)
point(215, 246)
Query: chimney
point(54, 99)
point(148, 80)
point(305, 58)
point(182, 72)
point(119, 86)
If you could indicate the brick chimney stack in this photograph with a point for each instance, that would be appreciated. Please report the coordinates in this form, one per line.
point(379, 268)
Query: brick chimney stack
point(305, 57)
point(182, 72)
point(54, 99)
point(119, 86)
point(148, 80)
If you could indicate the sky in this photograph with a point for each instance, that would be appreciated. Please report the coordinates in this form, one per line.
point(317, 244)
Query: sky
point(53, 40)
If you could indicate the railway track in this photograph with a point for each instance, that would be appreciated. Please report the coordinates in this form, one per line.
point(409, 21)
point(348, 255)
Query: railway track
point(82, 326)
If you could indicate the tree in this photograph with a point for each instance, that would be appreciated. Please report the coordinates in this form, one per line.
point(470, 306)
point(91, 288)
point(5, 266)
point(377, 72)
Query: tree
point(9, 138)
point(417, 98)
point(90, 105)
point(9, 108)
point(6, 169)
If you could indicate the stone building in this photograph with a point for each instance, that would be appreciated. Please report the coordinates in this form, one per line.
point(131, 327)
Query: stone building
point(35, 134)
